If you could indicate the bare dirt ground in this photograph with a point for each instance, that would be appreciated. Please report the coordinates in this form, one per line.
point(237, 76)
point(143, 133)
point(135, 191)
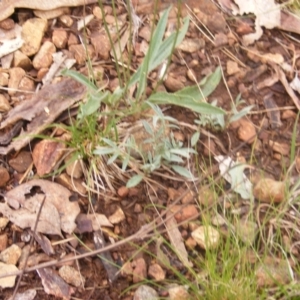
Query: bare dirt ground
point(266, 139)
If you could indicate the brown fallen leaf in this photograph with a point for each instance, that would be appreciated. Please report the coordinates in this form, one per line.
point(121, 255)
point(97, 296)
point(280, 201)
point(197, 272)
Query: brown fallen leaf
point(54, 98)
point(7, 7)
point(49, 221)
point(58, 209)
point(54, 285)
point(176, 240)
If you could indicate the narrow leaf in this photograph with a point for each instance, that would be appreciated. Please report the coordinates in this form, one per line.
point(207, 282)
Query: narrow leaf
point(80, 78)
point(195, 138)
point(134, 181)
point(183, 171)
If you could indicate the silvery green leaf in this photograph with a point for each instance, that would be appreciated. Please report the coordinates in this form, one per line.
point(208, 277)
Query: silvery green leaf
point(183, 171)
point(195, 138)
point(134, 181)
point(185, 152)
point(241, 113)
point(104, 151)
point(112, 158)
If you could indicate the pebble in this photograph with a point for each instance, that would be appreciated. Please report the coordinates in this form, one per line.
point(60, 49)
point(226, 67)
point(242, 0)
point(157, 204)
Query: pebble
point(71, 276)
point(269, 190)
point(60, 38)
point(140, 270)
point(11, 255)
point(7, 282)
point(43, 59)
point(46, 155)
point(21, 60)
point(15, 77)
point(21, 162)
point(206, 237)
point(156, 272)
point(117, 217)
point(3, 241)
point(145, 292)
point(178, 292)
point(184, 212)
point(246, 131)
point(4, 176)
point(191, 45)
point(123, 191)
point(32, 33)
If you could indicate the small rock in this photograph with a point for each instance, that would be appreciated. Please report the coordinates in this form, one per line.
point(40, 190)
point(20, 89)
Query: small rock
point(269, 190)
point(3, 241)
point(246, 230)
point(4, 104)
point(4, 176)
point(126, 269)
point(60, 38)
point(138, 208)
point(191, 45)
point(173, 194)
point(190, 243)
point(80, 53)
point(246, 131)
point(206, 237)
point(66, 20)
point(26, 84)
point(184, 212)
point(7, 24)
point(15, 77)
point(117, 217)
point(46, 155)
point(3, 221)
point(7, 282)
point(123, 191)
point(173, 84)
point(102, 45)
point(140, 270)
point(72, 40)
point(4, 78)
point(206, 196)
point(221, 39)
point(32, 33)
point(218, 220)
point(288, 114)
point(282, 148)
point(71, 276)
point(178, 292)
point(11, 254)
point(232, 67)
point(43, 59)
point(97, 12)
point(73, 167)
point(27, 295)
point(156, 272)
point(145, 292)
point(188, 198)
point(21, 60)
point(272, 272)
point(21, 162)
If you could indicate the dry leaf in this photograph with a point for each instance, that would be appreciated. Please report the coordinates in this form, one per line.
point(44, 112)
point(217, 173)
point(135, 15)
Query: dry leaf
point(176, 240)
point(55, 97)
point(57, 205)
point(11, 45)
point(7, 7)
point(54, 285)
point(267, 14)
